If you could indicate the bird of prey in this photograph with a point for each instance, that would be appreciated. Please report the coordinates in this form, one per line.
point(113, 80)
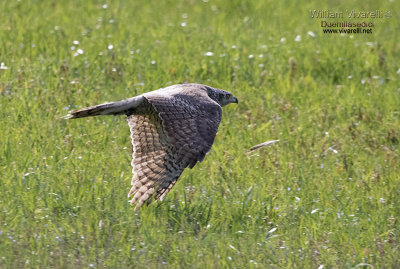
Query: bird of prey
point(171, 128)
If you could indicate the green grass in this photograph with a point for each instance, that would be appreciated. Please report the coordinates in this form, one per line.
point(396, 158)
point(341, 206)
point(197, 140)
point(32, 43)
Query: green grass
point(326, 194)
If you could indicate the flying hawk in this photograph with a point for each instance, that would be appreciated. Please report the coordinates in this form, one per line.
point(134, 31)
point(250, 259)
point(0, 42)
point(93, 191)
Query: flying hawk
point(171, 128)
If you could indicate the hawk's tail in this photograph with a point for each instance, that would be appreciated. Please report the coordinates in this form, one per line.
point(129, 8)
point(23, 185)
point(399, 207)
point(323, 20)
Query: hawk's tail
point(113, 108)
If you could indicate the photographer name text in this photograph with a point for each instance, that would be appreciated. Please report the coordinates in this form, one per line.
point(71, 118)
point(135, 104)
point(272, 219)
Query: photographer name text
point(351, 14)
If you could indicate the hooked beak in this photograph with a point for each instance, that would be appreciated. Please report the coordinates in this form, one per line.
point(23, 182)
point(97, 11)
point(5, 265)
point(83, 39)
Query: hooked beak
point(235, 100)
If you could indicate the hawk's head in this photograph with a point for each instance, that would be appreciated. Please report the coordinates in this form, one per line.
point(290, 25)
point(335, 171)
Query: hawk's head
point(221, 97)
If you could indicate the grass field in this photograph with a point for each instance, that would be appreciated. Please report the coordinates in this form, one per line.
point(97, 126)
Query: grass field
point(325, 196)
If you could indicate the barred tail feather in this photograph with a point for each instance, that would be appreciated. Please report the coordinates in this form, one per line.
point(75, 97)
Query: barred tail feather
point(113, 108)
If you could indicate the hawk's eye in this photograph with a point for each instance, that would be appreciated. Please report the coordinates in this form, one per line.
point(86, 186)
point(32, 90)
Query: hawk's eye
point(227, 96)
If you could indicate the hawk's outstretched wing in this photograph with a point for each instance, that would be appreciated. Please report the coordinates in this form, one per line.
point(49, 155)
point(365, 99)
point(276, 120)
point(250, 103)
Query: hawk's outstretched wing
point(168, 135)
